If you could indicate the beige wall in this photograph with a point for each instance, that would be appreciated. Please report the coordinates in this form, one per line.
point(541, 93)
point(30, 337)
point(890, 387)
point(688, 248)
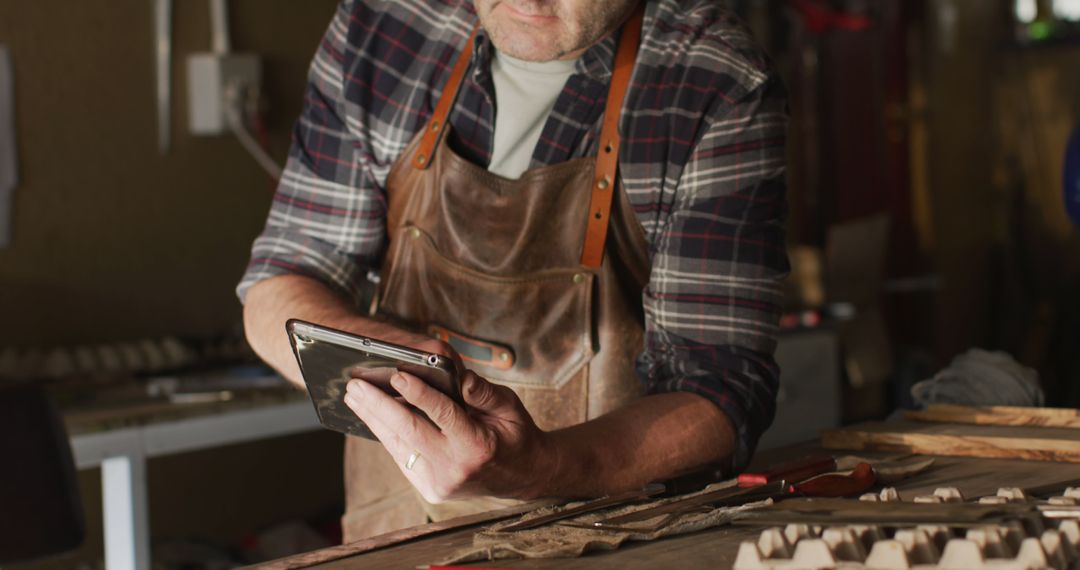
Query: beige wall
point(113, 241)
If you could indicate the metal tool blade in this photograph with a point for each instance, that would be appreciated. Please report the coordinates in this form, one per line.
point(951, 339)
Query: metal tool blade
point(716, 499)
point(1052, 488)
point(1060, 511)
point(588, 507)
point(847, 511)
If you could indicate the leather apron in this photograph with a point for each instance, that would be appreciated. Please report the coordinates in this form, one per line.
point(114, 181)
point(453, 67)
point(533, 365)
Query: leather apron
point(536, 282)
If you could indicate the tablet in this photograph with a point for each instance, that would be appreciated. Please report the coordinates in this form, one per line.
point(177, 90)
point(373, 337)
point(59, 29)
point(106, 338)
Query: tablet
point(329, 359)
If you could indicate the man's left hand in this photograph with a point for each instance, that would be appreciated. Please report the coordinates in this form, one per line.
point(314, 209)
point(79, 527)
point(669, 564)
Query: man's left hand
point(490, 448)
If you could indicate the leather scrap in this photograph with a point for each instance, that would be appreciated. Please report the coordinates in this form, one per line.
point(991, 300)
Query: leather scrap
point(561, 541)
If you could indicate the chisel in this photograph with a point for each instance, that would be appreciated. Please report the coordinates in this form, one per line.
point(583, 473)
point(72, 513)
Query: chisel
point(588, 507)
point(832, 485)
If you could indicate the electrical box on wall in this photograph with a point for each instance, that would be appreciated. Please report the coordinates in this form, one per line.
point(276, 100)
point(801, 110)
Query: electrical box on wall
point(217, 82)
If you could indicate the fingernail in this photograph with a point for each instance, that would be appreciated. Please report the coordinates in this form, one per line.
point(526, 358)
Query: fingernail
point(354, 389)
point(398, 382)
point(350, 400)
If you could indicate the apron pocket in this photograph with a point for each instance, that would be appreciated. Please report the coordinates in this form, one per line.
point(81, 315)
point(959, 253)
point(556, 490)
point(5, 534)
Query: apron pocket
point(544, 318)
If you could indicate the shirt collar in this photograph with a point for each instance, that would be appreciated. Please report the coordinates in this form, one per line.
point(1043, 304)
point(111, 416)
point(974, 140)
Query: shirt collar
point(596, 63)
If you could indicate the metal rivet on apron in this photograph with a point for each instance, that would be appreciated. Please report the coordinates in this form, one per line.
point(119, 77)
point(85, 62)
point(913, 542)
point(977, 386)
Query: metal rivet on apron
point(609, 148)
point(579, 278)
point(414, 232)
point(504, 356)
point(603, 183)
point(598, 215)
point(421, 159)
point(435, 126)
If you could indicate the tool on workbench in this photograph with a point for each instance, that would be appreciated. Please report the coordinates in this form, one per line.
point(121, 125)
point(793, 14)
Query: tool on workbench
point(588, 507)
point(844, 511)
point(725, 497)
point(714, 499)
point(1049, 489)
point(462, 568)
point(891, 470)
point(886, 469)
point(797, 470)
point(831, 485)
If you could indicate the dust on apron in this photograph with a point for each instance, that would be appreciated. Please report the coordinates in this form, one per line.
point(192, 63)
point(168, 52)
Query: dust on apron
point(536, 282)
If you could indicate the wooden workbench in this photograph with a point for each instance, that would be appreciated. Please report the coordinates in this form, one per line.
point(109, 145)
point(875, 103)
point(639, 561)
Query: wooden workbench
point(718, 547)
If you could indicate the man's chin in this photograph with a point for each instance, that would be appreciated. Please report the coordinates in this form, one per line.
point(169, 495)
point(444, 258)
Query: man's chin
point(528, 47)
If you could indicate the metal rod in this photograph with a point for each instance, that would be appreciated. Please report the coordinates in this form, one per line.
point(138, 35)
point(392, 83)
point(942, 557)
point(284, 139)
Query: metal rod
point(219, 19)
point(163, 51)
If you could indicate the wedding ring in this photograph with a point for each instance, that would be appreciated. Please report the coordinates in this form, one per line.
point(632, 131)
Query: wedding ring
point(411, 460)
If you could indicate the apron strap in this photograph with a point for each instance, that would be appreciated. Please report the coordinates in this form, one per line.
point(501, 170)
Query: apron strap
point(436, 125)
point(607, 159)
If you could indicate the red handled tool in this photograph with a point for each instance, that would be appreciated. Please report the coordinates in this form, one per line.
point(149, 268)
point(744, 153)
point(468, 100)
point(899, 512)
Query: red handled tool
point(861, 479)
point(797, 470)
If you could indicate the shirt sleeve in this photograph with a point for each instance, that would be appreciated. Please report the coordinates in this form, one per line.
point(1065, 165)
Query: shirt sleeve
point(714, 296)
point(327, 217)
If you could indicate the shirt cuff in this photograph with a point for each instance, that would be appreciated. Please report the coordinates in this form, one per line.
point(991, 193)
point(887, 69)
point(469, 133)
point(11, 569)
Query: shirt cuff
point(745, 393)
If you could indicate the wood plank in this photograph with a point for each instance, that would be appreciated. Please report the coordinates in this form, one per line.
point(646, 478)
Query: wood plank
point(309, 559)
point(998, 415)
point(1031, 411)
point(1031, 443)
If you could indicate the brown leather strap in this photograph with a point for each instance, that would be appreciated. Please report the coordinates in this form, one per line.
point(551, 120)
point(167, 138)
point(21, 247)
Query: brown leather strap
point(435, 127)
point(472, 350)
point(607, 159)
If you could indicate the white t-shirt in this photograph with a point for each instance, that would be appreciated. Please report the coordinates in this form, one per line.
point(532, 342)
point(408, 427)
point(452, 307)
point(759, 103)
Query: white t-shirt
point(525, 93)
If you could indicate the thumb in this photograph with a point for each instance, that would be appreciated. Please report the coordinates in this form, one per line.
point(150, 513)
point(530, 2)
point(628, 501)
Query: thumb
point(491, 399)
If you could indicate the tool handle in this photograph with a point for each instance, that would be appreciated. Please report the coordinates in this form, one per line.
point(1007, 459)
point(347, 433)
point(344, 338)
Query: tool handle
point(798, 470)
point(859, 481)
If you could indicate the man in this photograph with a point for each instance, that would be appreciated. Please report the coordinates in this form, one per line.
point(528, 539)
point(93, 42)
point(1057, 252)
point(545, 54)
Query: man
point(604, 253)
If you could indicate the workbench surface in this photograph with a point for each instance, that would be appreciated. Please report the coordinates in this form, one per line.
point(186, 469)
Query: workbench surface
point(717, 548)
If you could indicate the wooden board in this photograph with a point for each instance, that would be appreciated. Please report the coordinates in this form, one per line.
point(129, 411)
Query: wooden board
point(1031, 443)
point(998, 415)
point(309, 559)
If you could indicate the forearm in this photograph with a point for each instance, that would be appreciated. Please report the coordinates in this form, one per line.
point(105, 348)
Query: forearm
point(652, 439)
point(271, 302)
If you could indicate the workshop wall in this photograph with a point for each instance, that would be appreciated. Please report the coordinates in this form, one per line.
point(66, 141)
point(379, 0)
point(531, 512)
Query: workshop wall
point(1036, 106)
point(113, 241)
point(961, 38)
point(1008, 259)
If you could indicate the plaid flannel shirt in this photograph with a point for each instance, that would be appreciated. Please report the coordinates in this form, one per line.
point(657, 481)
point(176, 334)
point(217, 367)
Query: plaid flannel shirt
point(702, 162)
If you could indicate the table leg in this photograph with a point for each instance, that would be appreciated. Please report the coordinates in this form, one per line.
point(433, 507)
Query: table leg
point(127, 532)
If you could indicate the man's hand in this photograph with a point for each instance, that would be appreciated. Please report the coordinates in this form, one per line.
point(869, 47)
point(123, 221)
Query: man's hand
point(494, 447)
point(491, 449)
point(273, 301)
